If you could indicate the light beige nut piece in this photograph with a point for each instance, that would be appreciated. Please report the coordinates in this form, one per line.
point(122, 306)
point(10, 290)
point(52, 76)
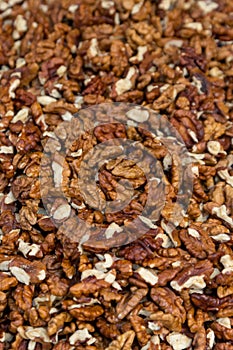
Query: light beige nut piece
point(179, 341)
point(82, 335)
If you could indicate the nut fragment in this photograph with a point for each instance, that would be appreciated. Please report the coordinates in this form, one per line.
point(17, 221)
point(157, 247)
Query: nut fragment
point(125, 84)
point(179, 341)
point(62, 212)
point(123, 342)
point(81, 335)
point(21, 275)
point(147, 275)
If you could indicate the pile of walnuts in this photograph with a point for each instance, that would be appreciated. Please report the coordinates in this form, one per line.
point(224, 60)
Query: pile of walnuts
point(169, 289)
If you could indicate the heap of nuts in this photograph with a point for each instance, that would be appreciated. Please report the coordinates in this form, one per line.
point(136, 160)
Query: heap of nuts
point(169, 289)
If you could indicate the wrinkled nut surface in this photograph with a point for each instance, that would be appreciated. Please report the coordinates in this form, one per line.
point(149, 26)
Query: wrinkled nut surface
point(170, 289)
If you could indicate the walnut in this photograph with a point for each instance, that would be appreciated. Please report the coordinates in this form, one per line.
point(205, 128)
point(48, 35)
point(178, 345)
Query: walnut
point(60, 107)
point(3, 301)
point(199, 340)
point(119, 59)
point(68, 268)
point(213, 130)
point(224, 291)
point(224, 278)
point(223, 346)
point(57, 322)
point(110, 295)
point(179, 341)
point(169, 274)
point(193, 276)
point(123, 341)
point(191, 60)
point(197, 242)
point(16, 320)
point(87, 313)
point(173, 314)
point(58, 286)
point(128, 302)
point(107, 330)
point(21, 187)
point(88, 286)
point(139, 326)
point(9, 227)
point(167, 97)
point(23, 296)
point(124, 267)
point(209, 303)
point(27, 272)
point(222, 331)
point(7, 282)
point(43, 312)
point(170, 288)
point(82, 336)
point(195, 320)
point(32, 315)
point(188, 126)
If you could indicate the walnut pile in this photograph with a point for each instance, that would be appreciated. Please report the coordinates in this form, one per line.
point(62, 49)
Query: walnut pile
point(169, 289)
